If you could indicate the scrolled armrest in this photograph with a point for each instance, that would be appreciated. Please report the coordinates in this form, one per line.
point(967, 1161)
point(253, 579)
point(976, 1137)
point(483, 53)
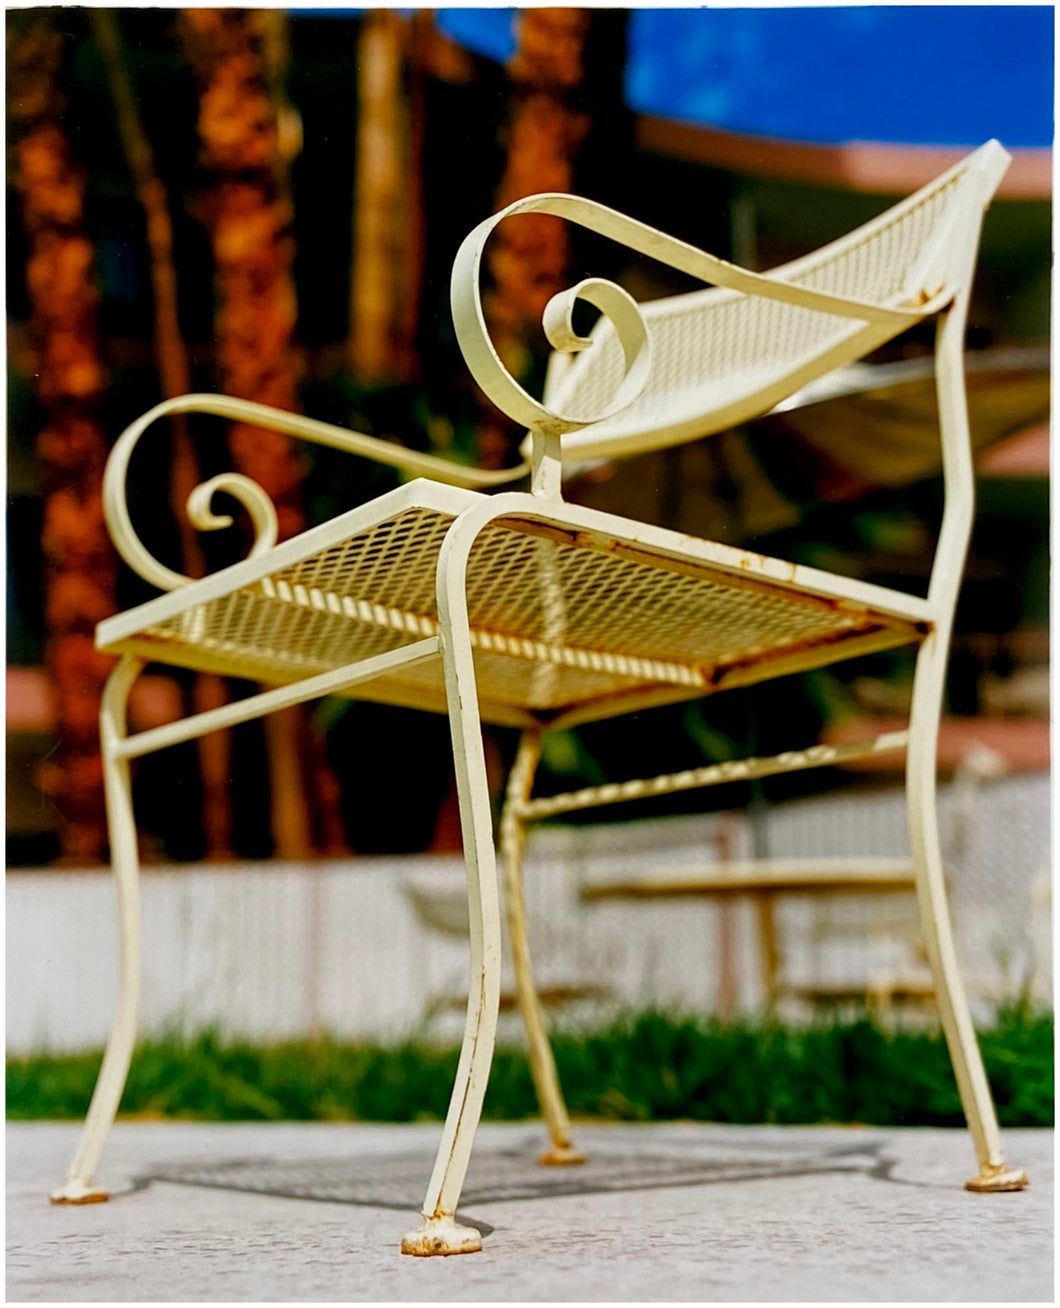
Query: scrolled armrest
point(490, 373)
point(253, 498)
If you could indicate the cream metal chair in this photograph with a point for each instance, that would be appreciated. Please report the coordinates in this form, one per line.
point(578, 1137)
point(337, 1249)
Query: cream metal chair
point(521, 609)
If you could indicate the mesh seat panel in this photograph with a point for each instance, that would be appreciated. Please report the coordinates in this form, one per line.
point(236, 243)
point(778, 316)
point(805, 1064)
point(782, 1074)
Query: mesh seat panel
point(553, 625)
point(362, 596)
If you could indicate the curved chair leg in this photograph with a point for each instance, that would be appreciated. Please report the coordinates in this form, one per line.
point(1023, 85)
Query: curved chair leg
point(956, 1018)
point(542, 1062)
point(122, 831)
point(440, 1234)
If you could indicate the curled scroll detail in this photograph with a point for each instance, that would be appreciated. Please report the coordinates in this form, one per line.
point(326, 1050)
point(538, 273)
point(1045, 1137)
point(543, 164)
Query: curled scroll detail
point(252, 497)
point(509, 396)
point(485, 364)
point(249, 494)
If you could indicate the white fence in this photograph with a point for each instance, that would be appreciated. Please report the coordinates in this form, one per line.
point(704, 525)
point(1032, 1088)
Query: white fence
point(373, 947)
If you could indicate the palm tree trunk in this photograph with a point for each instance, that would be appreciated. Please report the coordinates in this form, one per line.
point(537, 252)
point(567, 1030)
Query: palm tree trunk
point(527, 257)
point(80, 569)
point(248, 137)
point(170, 350)
point(171, 353)
point(380, 231)
point(247, 142)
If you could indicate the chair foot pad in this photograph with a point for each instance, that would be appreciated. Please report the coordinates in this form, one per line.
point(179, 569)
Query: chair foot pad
point(77, 1192)
point(996, 1180)
point(562, 1155)
point(440, 1236)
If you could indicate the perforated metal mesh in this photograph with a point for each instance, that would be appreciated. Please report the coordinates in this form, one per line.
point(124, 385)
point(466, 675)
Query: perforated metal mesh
point(882, 267)
point(708, 352)
point(712, 349)
point(552, 625)
point(529, 587)
point(362, 596)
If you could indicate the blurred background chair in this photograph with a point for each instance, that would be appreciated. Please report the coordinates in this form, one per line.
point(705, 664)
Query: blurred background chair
point(882, 925)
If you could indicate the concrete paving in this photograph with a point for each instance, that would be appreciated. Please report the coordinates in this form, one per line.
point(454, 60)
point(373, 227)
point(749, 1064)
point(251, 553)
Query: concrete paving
point(296, 1213)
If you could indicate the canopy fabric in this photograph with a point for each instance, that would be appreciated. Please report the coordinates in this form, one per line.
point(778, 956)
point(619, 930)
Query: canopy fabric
point(834, 442)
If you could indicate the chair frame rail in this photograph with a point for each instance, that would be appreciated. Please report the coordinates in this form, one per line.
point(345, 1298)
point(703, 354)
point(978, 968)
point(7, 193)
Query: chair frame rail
point(940, 288)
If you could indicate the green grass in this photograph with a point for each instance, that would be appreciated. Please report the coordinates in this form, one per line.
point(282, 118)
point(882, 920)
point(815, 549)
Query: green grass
point(648, 1067)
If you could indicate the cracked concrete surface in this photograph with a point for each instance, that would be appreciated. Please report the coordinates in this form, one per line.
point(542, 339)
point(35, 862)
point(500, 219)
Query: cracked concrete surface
point(313, 1212)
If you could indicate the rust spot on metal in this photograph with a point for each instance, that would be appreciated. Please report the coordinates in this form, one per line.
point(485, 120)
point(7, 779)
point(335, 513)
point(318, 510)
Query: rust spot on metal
point(439, 1212)
point(743, 575)
point(809, 652)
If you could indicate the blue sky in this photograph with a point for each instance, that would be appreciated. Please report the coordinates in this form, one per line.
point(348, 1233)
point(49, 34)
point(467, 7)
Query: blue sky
point(917, 74)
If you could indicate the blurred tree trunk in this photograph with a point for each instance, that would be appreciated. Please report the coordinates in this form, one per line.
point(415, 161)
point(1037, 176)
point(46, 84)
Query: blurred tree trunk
point(387, 266)
point(527, 257)
point(248, 140)
point(80, 569)
point(248, 137)
point(566, 122)
point(174, 366)
point(170, 350)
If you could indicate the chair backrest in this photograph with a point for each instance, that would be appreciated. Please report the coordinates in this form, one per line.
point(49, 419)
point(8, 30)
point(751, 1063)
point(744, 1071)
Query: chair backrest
point(722, 356)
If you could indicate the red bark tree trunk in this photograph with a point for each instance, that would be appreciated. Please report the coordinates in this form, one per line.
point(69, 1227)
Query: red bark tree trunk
point(528, 256)
point(80, 568)
point(248, 137)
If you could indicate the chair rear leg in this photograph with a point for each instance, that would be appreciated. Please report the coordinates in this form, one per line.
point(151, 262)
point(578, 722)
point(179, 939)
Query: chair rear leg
point(935, 922)
point(561, 1151)
point(125, 862)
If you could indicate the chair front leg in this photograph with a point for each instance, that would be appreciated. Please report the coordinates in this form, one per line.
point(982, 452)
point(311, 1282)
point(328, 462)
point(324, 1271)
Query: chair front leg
point(125, 862)
point(935, 922)
point(542, 1061)
point(440, 1233)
